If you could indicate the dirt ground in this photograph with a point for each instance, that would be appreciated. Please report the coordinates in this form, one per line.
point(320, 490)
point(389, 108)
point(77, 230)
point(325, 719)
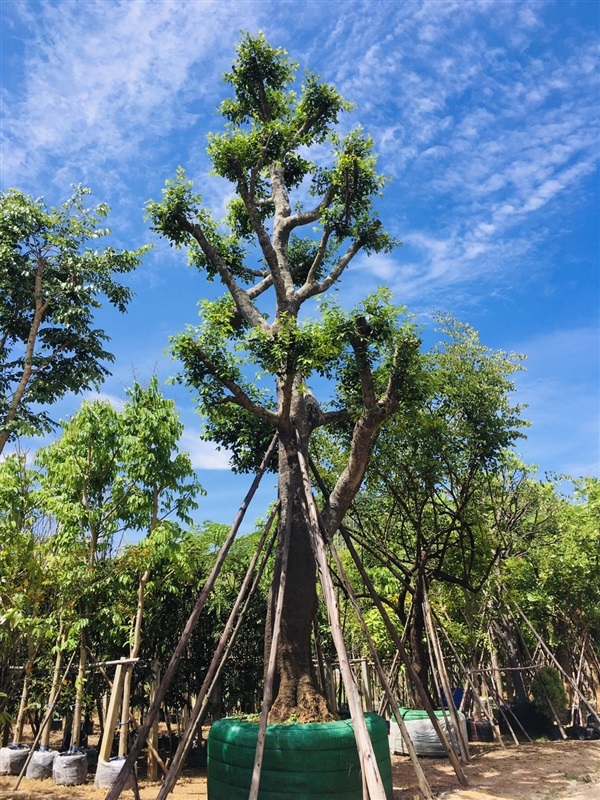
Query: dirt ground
point(540, 771)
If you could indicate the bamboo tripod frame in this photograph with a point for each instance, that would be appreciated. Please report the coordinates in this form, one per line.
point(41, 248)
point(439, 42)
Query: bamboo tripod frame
point(234, 622)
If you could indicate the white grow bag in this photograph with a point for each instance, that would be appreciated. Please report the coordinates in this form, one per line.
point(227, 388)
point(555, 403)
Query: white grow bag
point(423, 734)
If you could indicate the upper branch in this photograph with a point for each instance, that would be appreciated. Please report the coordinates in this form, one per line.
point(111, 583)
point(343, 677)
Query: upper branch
point(238, 395)
point(241, 298)
point(318, 287)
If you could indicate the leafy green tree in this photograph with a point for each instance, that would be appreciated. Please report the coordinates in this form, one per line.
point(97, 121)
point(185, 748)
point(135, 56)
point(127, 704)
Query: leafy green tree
point(28, 617)
point(165, 485)
point(554, 577)
point(291, 231)
point(83, 490)
point(52, 279)
point(115, 471)
point(431, 507)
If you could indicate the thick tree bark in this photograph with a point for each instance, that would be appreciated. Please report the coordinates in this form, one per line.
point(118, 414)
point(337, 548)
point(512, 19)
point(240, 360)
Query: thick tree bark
point(296, 689)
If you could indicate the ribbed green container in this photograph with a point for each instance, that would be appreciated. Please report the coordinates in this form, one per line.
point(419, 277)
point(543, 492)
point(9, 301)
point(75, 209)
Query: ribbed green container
point(307, 762)
point(417, 713)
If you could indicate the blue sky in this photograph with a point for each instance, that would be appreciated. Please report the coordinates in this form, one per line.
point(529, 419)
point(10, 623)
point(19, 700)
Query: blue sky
point(485, 114)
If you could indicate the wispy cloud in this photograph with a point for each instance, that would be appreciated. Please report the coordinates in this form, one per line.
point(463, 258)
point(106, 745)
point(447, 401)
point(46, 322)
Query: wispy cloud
point(105, 82)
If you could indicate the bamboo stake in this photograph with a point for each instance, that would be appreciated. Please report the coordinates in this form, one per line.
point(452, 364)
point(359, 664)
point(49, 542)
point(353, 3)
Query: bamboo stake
point(151, 749)
point(44, 722)
point(460, 774)
point(412, 674)
point(218, 660)
point(153, 734)
point(536, 671)
point(370, 768)
point(54, 686)
point(268, 691)
point(550, 655)
point(79, 683)
point(117, 787)
point(463, 746)
point(576, 708)
point(474, 688)
point(421, 779)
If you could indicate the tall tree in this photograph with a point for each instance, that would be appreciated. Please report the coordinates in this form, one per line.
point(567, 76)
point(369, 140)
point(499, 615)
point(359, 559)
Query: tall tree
point(52, 279)
point(275, 254)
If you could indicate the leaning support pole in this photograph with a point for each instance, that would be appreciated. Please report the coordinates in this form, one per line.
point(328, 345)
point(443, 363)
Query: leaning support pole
point(412, 674)
point(556, 663)
point(536, 672)
point(421, 779)
point(45, 721)
point(439, 657)
point(370, 769)
point(268, 692)
point(216, 664)
point(470, 680)
point(117, 787)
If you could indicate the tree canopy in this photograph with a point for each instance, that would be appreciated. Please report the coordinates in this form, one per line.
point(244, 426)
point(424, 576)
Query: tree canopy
point(52, 279)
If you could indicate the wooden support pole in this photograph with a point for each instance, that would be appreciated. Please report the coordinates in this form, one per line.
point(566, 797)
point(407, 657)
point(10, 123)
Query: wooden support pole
point(470, 681)
point(536, 671)
point(368, 761)
point(45, 722)
point(112, 715)
point(421, 779)
point(219, 658)
point(153, 733)
point(271, 666)
point(575, 711)
point(117, 787)
point(556, 663)
point(439, 657)
point(54, 688)
point(412, 674)
point(79, 685)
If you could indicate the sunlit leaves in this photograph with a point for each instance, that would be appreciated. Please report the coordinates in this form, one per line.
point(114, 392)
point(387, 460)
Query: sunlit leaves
point(51, 281)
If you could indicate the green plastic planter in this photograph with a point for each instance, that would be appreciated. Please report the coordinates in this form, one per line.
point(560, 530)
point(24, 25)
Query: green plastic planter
point(315, 761)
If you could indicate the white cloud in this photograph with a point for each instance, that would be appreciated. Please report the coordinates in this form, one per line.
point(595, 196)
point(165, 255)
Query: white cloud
point(101, 80)
point(204, 455)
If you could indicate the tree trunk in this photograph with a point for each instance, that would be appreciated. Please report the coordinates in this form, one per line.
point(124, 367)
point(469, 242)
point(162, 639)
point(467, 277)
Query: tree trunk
point(418, 652)
point(513, 655)
point(296, 686)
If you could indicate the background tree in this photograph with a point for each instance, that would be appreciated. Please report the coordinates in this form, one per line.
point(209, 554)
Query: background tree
point(26, 608)
point(273, 256)
point(431, 509)
point(51, 281)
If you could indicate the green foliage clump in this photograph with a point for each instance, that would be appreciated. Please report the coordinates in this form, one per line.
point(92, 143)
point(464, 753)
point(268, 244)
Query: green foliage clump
point(548, 692)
